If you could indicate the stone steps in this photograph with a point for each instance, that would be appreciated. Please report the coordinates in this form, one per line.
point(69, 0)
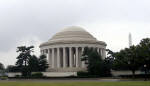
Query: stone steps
point(66, 69)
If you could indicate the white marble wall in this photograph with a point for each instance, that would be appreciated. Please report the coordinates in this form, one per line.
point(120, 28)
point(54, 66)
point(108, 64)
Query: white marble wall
point(68, 56)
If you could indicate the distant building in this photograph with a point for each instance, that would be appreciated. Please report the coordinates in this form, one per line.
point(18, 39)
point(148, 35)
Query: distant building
point(65, 48)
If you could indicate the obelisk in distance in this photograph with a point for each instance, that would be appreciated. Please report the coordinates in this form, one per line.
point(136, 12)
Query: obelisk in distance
point(130, 39)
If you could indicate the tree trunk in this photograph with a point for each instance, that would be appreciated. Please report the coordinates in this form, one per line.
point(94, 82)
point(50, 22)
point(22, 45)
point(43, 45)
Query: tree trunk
point(145, 74)
point(25, 63)
point(133, 74)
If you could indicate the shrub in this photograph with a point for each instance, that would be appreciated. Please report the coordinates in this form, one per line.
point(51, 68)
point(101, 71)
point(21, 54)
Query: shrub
point(3, 77)
point(17, 76)
point(136, 76)
point(37, 75)
point(82, 74)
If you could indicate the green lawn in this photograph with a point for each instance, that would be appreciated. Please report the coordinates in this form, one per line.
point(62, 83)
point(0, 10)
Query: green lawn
point(27, 83)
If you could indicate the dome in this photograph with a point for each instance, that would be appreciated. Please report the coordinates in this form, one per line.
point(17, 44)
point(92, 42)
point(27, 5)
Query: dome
point(73, 34)
point(73, 28)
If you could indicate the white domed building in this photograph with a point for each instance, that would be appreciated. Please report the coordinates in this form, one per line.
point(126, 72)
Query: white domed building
point(64, 49)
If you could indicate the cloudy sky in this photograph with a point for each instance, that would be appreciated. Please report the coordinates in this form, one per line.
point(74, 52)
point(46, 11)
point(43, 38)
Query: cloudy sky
point(31, 22)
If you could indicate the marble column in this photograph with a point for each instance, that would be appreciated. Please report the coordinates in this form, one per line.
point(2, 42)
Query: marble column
point(64, 57)
point(104, 53)
point(53, 58)
point(80, 54)
point(77, 57)
point(83, 62)
point(58, 58)
point(98, 50)
point(70, 57)
point(48, 56)
point(43, 52)
point(101, 52)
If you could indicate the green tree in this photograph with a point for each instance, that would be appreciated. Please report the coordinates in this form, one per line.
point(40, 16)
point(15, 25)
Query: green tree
point(133, 59)
point(118, 59)
point(33, 64)
point(12, 68)
point(1, 66)
point(23, 58)
point(43, 64)
point(37, 64)
point(95, 64)
point(144, 52)
point(126, 59)
point(109, 59)
point(108, 62)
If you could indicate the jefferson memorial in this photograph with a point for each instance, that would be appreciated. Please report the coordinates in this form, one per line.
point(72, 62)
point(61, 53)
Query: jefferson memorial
point(64, 50)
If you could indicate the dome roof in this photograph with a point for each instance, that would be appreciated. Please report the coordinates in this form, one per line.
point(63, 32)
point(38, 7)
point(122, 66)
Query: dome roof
point(73, 28)
point(73, 34)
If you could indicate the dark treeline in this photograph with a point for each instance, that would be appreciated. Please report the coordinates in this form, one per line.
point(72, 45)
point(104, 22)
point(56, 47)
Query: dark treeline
point(132, 58)
point(28, 63)
point(136, 57)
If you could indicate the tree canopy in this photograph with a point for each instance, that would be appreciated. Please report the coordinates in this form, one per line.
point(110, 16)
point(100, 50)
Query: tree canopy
point(132, 58)
point(28, 63)
point(95, 64)
point(43, 64)
point(24, 55)
point(1, 66)
point(144, 52)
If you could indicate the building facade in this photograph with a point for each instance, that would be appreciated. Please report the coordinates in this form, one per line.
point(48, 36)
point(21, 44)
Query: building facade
point(65, 48)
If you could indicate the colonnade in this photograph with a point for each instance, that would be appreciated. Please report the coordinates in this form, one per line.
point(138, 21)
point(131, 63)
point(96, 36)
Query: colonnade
point(67, 57)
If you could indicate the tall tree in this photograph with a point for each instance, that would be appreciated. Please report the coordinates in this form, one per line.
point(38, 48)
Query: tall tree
point(133, 59)
point(12, 68)
point(22, 59)
point(33, 64)
point(144, 52)
point(95, 64)
point(1, 66)
point(43, 64)
point(126, 59)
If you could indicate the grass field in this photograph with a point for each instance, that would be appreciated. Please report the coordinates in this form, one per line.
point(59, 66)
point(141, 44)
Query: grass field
point(30, 83)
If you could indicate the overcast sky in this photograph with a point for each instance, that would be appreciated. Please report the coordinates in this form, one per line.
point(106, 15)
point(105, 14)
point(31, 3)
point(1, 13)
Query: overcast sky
point(31, 22)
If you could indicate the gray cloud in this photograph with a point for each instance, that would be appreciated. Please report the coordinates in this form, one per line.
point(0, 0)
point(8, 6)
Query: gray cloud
point(43, 18)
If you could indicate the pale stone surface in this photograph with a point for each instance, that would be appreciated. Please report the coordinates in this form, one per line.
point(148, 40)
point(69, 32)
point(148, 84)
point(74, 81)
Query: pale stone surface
point(71, 73)
point(59, 74)
point(48, 74)
point(13, 74)
point(118, 73)
point(65, 49)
